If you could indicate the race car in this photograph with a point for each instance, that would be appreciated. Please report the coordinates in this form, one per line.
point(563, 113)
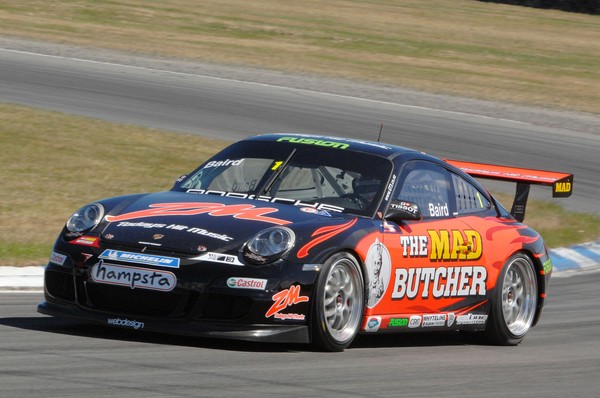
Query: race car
point(311, 239)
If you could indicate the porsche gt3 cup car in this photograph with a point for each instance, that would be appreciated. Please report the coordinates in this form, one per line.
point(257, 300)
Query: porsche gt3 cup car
point(293, 238)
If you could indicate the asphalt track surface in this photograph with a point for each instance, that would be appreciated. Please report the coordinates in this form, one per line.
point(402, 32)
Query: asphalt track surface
point(43, 356)
point(228, 108)
point(47, 357)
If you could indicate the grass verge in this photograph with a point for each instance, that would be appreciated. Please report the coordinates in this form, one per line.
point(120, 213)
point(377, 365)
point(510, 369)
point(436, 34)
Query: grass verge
point(462, 47)
point(54, 163)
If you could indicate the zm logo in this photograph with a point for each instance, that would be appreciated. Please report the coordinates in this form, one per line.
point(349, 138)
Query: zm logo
point(286, 298)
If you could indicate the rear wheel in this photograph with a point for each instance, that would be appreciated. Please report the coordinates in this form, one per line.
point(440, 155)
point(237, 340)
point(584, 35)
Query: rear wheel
point(339, 302)
point(514, 302)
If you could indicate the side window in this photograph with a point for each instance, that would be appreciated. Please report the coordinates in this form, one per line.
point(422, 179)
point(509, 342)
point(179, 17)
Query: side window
point(468, 198)
point(427, 185)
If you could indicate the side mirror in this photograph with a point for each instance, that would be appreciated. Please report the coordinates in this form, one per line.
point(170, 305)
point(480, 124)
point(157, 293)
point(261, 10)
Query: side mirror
point(403, 211)
point(179, 179)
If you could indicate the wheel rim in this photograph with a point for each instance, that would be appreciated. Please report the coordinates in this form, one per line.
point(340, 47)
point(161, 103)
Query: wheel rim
point(519, 296)
point(342, 301)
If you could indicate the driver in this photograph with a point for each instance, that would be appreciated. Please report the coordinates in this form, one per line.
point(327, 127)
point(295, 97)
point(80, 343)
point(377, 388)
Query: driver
point(366, 187)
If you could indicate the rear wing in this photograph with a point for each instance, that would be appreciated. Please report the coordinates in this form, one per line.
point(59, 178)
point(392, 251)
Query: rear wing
point(561, 183)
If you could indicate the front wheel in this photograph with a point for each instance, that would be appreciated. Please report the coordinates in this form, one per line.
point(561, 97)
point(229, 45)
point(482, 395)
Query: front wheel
point(339, 302)
point(514, 302)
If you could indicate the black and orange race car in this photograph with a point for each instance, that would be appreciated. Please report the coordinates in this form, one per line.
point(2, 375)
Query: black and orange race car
point(296, 238)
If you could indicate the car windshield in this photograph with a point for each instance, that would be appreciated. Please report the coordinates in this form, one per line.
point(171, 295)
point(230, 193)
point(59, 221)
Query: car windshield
point(337, 178)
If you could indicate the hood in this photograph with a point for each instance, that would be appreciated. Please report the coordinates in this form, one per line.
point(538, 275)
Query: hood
point(191, 223)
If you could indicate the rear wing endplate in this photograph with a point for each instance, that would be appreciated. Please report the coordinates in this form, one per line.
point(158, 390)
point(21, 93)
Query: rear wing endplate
point(561, 183)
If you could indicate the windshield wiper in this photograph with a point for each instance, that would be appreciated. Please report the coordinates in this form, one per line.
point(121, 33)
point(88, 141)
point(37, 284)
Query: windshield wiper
point(266, 187)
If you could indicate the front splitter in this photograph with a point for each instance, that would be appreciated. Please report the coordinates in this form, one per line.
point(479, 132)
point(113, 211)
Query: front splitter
point(254, 332)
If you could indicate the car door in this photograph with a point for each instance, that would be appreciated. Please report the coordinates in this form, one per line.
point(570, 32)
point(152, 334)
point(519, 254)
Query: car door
point(435, 264)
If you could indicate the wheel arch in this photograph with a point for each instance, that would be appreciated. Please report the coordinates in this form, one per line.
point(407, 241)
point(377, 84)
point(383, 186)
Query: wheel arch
point(320, 333)
point(363, 270)
point(541, 282)
point(360, 262)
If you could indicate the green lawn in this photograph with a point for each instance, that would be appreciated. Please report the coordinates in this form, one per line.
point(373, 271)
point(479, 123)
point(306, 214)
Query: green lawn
point(55, 163)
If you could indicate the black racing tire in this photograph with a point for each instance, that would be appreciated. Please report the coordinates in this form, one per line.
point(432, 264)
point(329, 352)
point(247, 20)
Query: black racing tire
point(514, 302)
point(338, 304)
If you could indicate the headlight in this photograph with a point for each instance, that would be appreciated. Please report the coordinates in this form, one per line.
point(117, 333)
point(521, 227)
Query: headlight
point(86, 218)
point(269, 245)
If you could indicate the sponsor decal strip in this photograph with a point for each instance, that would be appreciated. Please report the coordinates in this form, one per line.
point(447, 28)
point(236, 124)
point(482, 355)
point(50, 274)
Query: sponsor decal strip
point(218, 258)
point(139, 258)
point(86, 241)
point(413, 321)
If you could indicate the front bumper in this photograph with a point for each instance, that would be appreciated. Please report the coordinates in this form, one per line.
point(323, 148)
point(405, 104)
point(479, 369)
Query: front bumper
point(257, 332)
point(201, 304)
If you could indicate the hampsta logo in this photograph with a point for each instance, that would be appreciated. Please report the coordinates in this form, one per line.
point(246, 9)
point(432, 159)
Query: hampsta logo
point(133, 277)
point(125, 323)
point(138, 258)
